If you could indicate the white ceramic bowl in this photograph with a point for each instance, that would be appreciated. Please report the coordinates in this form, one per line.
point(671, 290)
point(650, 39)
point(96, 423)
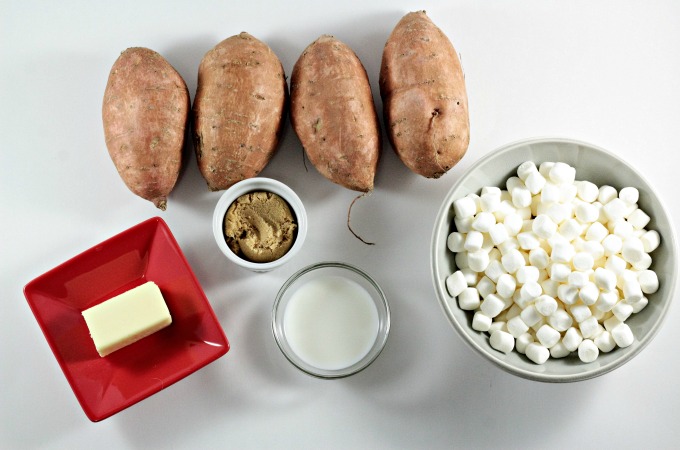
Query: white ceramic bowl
point(593, 164)
point(252, 185)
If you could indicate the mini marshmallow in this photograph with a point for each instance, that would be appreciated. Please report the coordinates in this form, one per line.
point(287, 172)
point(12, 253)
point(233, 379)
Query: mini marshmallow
point(639, 219)
point(504, 209)
point(455, 242)
point(473, 241)
point(605, 279)
point(463, 224)
point(521, 197)
point(548, 336)
point(559, 351)
point(589, 328)
point(596, 232)
point(622, 311)
point(483, 222)
point(539, 258)
point(498, 233)
point(589, 293)
point(550, 193)
point(640, 305)
point(650, 241)
point(586, 212)
point(512, 311)
point(594, 248)
point(508, 245)
point(530, 291)
point(562, 252)
point(570, 229)
point(587, 191)
point(530, 315)
point(485, 287)
point(465, 207)
point(588, 351)
point(644, 263)
point(549, 287)
point(562, 173)
point(528, 240)
point(545, 305)
point(611, 323)
point(622, 334)
point(471, 277)
point(512, 261)
point(478, 261)
point(629, 195)
point(580, 312)
point(455, 283)
point(480, 322)
point(616, 264)
point(537, 353)
point(558, 212)
point(492, 305)
point(517, 327)
point(543, 226)
point(606, 194)
point(535, 182)
point(632, 291)
point(576, 279)
point(468, 300)
point(502, 341)
point(567, 193)
point(583, 261)
point(605, 342)
point(567, 293)
point(461, 260)
point(572, 338)
point(497, 325)
point(560, 320)
point(544, 168)
point(649, 281)
point(622, 228)
point(513, 222)
point(524, 213)
point(607, 300)
point(615, 209)
point(506, 285)
point(494, 270)
point(525, 169)
point(612, 244)
point(490, 201)
point(526, 274)
point(522, 341)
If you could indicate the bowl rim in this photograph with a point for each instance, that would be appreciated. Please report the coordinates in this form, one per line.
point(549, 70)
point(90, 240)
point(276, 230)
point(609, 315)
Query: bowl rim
point(251, 185)
point(462, 330)
point(381, 336)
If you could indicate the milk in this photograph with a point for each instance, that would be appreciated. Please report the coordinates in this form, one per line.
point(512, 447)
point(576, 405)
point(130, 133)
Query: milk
point(331, 322)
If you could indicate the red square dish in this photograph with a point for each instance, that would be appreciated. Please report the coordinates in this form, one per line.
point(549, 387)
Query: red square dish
point(146, 252)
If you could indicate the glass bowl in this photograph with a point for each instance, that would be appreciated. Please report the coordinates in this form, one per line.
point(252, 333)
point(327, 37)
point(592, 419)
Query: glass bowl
point(348, 332)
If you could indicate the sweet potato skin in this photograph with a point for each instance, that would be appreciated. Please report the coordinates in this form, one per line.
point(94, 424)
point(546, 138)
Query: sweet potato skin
point(425, 102)
point(145, 113)
point(238, 111)
point(333, 114)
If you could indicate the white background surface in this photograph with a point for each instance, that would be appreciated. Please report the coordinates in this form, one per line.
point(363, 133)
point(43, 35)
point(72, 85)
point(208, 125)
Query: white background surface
point(605, 72)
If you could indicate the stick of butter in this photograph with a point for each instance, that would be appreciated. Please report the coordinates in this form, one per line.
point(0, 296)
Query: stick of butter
point(127, 318)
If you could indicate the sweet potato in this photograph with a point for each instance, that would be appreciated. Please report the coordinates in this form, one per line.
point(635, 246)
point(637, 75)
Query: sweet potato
point(333, 114)
point(238, 111)
point(145, 113)
point(424, 98)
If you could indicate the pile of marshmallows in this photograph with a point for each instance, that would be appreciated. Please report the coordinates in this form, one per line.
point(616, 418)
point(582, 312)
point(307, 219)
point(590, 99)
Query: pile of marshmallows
point(552, 265)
